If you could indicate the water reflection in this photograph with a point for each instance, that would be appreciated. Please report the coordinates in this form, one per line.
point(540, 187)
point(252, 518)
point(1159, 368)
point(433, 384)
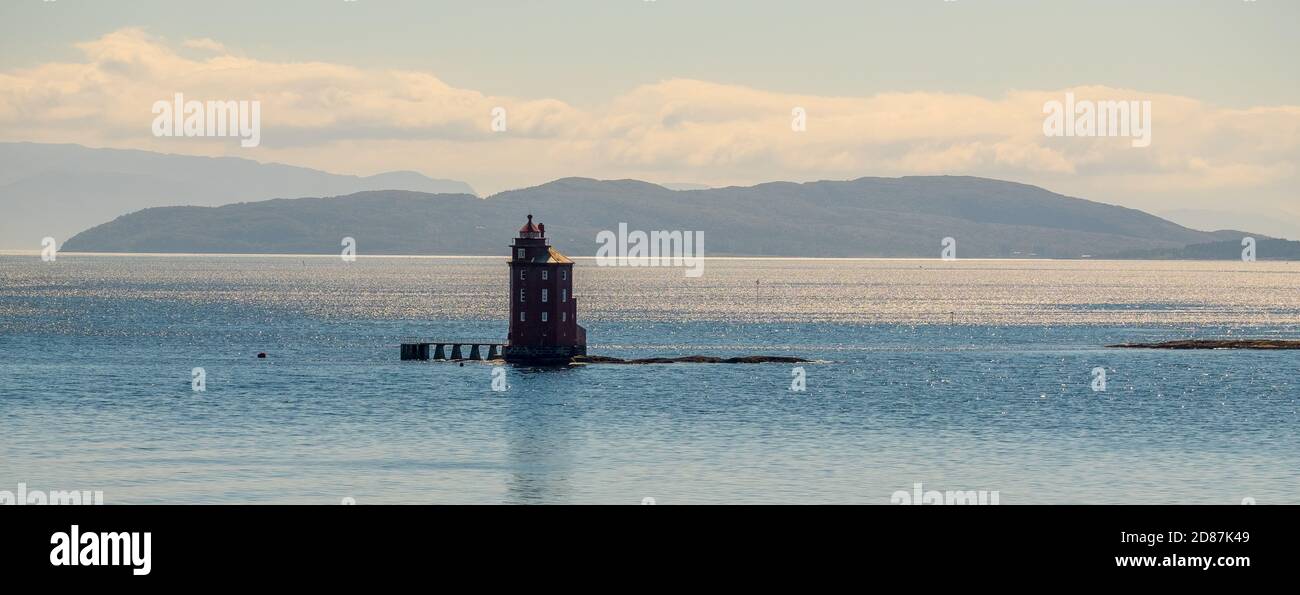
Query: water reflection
point(540, 427)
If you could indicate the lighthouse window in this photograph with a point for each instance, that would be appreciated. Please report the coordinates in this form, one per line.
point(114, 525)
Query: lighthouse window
point(543, 316)
point(522, 274)
point(564, 275)
point(521, 253)
point(522, 318)
point(564, 316)
point(521, 294)
point(564, 295)
point(543, 296)
point(544, 274)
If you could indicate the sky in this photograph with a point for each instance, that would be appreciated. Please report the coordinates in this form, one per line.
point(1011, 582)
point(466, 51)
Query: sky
point(693, 91)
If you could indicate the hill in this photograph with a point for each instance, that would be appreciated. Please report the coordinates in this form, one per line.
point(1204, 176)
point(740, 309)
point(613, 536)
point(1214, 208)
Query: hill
point(867, 217)
point(58, 190)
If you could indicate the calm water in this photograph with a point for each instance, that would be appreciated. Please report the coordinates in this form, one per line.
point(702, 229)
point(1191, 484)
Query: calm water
point(960, 375)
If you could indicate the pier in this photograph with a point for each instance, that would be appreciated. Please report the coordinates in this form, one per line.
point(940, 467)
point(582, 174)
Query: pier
point(420, 351)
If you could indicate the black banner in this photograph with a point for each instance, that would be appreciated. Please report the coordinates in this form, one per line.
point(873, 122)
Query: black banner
point(160, 544)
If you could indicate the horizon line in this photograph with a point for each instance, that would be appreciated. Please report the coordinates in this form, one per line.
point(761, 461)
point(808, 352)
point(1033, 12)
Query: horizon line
point(506, 257)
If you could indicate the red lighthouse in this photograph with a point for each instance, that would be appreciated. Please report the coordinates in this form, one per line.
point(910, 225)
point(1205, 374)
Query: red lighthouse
point(543, 312)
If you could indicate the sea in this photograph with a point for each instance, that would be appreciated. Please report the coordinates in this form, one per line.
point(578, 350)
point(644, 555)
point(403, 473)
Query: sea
point(965, 375)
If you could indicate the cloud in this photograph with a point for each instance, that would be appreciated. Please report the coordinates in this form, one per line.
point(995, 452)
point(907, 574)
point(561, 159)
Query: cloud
point(204, 44)
point(356, 120)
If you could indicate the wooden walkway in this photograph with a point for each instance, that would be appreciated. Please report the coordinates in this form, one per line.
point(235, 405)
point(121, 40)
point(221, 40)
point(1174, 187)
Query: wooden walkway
point(420, 351)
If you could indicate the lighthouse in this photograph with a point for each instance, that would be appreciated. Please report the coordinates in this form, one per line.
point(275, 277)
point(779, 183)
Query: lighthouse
point(543, 311)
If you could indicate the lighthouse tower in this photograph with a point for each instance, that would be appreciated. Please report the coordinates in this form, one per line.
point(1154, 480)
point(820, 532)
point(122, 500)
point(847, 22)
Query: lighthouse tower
point(543, 312)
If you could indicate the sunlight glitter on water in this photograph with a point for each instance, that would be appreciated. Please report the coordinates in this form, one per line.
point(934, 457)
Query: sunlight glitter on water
point(776, 290)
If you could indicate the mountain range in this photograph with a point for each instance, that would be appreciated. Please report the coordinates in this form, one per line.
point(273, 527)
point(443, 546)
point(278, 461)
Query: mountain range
point(58, 190)
point(866, 217)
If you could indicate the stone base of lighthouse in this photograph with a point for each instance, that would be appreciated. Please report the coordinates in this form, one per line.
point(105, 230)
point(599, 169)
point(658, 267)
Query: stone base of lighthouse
point(542, 354)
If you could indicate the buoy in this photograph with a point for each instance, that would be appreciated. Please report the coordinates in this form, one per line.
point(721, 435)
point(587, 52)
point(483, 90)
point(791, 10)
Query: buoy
point(261, 355)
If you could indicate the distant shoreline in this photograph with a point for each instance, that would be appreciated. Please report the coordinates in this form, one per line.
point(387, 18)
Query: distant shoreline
point(37, 253)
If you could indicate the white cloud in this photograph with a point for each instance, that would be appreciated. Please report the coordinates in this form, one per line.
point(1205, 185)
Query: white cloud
point(355, 120)
point(204, 44)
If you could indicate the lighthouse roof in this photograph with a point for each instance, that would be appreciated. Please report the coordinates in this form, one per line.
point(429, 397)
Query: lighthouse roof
point(529, 227)
point(551, 256)
point(554, 256)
